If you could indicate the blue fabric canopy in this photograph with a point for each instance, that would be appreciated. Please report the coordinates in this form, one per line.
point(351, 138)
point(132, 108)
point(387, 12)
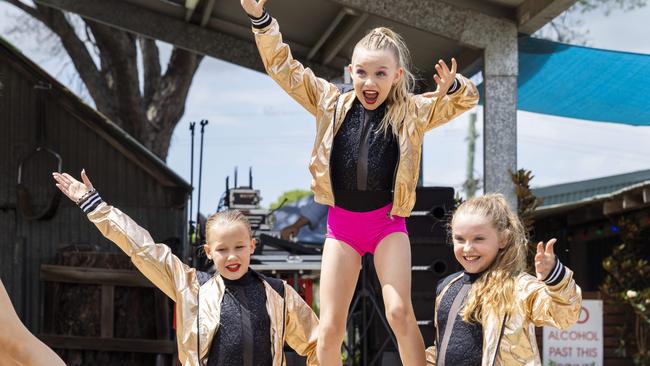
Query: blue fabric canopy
point(583, 83)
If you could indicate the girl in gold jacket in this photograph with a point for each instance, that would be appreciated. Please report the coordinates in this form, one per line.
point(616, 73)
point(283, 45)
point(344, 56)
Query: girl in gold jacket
point(203, 302)
point(365, 165)
point(487, 314)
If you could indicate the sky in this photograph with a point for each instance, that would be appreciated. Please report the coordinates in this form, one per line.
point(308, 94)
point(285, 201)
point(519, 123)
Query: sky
point(253, 123)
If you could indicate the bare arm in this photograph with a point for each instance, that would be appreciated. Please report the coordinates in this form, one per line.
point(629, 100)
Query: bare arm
point(17, 345)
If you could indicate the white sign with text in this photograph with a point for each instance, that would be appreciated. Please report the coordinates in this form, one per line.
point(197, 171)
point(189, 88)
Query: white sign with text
point(580, 345)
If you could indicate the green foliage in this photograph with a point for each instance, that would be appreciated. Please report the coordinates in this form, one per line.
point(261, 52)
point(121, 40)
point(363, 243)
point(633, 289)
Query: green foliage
point(628, 283)
point(527, 202)
point(290, 196)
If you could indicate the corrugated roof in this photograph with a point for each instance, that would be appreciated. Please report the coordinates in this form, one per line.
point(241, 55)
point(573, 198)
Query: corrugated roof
point(572, 192)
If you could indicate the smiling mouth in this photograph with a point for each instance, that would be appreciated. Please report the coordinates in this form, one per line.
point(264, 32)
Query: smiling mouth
point(233, 267)
point(471, 258)
point(370, 96)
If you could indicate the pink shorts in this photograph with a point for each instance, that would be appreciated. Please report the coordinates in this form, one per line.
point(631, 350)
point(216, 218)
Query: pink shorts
point(363, 231)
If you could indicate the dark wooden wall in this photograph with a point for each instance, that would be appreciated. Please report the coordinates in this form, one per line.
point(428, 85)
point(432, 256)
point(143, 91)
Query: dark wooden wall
point(32, 115)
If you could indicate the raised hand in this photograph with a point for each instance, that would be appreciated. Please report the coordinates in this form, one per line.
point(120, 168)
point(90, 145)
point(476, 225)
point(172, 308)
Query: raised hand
point(74, 189)
point(544, 259)
point(253, 7)
point(445, 77)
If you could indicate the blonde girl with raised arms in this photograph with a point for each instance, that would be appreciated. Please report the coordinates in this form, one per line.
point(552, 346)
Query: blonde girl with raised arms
point(365, 165)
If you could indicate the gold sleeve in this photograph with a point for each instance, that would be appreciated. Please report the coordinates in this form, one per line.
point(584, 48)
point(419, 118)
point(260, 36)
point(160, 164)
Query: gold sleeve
point(156, 261)
point(557, 306)
point(431, 354)
point(299, 82)
point(437, 110)
point(301, 330)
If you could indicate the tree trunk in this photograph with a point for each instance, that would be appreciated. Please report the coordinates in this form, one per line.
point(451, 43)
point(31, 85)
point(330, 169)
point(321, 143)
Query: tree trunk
point(112, 77)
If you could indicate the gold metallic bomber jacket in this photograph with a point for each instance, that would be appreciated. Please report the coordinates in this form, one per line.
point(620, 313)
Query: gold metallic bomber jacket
point(292, 320)
point(539, 305)
point(324, 100)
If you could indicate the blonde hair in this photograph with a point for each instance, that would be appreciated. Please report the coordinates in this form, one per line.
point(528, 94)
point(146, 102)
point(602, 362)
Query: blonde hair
point(228, 217)
point(383, 38)
point(495, 289)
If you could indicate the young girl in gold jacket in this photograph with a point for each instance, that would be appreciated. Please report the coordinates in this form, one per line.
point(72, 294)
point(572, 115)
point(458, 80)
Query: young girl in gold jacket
point(234, 317)
point(365, 165)
point(487, 314)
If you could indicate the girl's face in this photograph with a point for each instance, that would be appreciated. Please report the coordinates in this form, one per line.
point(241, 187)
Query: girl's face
point(374, 72)
point(476, 242)
point(230, 247)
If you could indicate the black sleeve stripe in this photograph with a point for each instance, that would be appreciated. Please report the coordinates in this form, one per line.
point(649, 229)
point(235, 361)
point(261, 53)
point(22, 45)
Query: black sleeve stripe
point(554, 272)
point(454, 87)
point(556, 275)
point(262, 21)
point(90, 203)
point(83, 203)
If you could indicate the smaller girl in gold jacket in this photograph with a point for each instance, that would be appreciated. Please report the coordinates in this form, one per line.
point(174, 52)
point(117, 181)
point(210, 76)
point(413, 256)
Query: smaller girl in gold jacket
point(487, 314)
point(235, 317)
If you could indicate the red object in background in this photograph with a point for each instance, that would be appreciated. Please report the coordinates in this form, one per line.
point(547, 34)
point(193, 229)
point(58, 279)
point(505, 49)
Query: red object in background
point(305, 288)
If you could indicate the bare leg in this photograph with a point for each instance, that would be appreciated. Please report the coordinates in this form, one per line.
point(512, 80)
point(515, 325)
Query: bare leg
point(393, 265)
point(17, 345)
point(339, 274)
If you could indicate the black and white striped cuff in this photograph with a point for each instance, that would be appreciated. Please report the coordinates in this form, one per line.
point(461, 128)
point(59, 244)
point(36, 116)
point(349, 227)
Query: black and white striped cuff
point(454, 87)
point(557, 274)
point(262, 21)
point(90, 203)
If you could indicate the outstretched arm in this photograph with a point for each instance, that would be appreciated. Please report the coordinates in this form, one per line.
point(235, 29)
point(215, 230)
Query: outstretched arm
point(454, 95)
point(553, 298)
point(155, 261)
point(299, 82)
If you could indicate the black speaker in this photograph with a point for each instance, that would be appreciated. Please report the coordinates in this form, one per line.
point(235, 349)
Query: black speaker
point(428, 219)
point(432, 256)
point(437, 256)
point(423, 302)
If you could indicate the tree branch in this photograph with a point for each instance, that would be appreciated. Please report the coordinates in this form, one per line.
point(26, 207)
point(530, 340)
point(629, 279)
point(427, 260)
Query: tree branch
point(76, 49)
point(151, 66)
point(168, 103)
point(176, 83)
point(112, 78)
point(24, 7)
point(118, 56)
